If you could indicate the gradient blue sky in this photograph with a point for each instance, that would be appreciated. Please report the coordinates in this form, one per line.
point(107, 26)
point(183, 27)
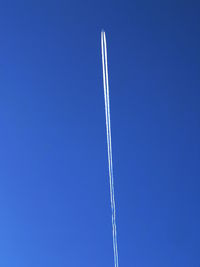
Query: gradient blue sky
point(54, 189)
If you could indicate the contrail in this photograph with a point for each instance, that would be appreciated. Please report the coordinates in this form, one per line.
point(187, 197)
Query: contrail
point(109, 144)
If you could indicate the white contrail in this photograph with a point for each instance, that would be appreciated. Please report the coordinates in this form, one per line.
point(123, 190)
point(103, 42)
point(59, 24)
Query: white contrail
point(109, 144)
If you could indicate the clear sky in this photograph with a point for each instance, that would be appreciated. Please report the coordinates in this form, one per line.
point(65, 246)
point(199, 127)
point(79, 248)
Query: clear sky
point(54, 187)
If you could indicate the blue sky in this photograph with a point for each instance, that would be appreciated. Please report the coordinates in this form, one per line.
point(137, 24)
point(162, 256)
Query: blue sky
point(54, 187)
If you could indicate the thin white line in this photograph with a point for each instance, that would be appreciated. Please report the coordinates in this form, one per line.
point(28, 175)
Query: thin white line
point(109, 144)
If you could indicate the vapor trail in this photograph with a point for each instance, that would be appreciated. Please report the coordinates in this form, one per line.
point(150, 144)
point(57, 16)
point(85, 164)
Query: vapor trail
point(109, 144)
